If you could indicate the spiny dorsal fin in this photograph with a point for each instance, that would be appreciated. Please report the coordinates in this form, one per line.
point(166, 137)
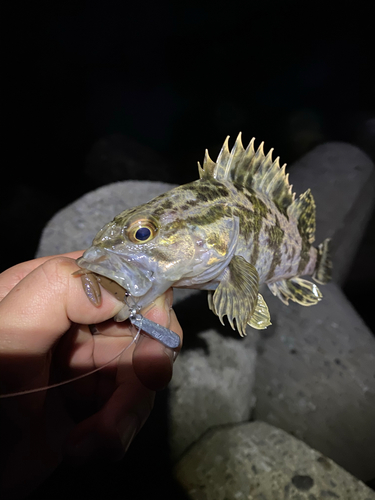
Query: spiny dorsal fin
point(208, 167)
point(208, 164)
point(251, 169)
point(303, 210)
point(201, 172)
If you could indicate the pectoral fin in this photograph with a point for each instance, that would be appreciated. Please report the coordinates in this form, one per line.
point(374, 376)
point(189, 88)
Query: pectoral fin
point(261, 316)
point(297, 289)
point(210, 294)
point(237, 294)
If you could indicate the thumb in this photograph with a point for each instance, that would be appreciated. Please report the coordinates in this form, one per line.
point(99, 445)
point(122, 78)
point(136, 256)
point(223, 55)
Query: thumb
point(37, 312)
point(42, 306)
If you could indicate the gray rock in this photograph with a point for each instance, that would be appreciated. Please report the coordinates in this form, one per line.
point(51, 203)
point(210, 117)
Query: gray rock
point(315, 374)
point(339, 175)
point(316, 366)
point(315, 378)
point(255, 461)
point(342, 180)
point(74, 227)
point(210, 389)
point(206, 390)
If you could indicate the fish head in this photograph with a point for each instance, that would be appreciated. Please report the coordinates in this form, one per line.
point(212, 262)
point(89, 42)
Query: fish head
point(165, 242)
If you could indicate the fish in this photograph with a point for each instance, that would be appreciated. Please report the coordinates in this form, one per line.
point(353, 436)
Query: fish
point(237, 227)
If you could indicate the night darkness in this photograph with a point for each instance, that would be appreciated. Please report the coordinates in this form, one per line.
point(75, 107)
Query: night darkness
point(159, 82)
point(103, 91)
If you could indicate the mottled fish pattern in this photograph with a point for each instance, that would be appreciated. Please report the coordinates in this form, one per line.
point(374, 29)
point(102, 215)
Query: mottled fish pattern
point(238, 226)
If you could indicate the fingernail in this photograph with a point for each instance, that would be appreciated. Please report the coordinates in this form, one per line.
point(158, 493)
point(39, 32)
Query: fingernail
point(171, 354)
point(169, 298)
point(168, 311)
point(127, 429)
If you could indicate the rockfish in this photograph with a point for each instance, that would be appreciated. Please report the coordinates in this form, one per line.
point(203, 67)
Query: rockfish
point(238, 226)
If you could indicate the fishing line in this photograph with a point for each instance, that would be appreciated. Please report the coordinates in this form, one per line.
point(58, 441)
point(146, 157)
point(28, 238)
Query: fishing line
point(58, 384)
point(138, 321)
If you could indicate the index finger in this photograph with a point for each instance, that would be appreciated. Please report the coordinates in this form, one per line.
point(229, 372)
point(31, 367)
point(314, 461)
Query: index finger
point(12, 276)
point(42, 306)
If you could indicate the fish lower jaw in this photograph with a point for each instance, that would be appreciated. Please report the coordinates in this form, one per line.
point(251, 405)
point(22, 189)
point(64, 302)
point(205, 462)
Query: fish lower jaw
point(98, 269)
point(135, 281)
point(123, 314)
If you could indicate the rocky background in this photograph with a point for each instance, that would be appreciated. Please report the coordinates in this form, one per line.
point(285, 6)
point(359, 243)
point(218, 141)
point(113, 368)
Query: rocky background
point(234, 404)
point(99, 92)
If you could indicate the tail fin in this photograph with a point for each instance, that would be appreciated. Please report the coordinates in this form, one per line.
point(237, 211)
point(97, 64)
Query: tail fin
point(323, 269)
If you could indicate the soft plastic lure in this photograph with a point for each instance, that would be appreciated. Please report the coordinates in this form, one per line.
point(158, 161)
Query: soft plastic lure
point(142, 324)
point(236, 227)
point(158, 332)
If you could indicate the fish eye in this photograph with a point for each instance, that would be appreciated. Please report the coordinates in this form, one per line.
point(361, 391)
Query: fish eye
point(141, 231)
point(143, 234)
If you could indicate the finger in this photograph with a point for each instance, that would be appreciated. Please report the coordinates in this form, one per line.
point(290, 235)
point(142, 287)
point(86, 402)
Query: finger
point(12, 276)
point(153, 362)
point(43, 305)
point(80, 353)
point(108, 433)
point(36, 313)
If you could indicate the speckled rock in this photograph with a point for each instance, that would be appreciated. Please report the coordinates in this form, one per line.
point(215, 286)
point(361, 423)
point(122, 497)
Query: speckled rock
point(315, 372)
point(255, 461)
point(74, 227)
point(342, 180)
point(340, 177)
point(315, 378)
point(210, 386)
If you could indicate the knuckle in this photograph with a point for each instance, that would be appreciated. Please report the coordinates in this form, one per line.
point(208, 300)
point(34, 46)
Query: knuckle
point(57, 271)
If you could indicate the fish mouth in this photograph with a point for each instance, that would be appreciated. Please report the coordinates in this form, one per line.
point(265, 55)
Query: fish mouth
point(125, 271)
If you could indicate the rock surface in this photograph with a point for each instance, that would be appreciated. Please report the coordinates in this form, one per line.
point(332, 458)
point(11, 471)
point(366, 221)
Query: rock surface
point(315, 370)
point(255, 461)
point(338, 174)
point(316, 365)
point(210, 386)
point(75, 226)
point(342, 180)
point(315, 378)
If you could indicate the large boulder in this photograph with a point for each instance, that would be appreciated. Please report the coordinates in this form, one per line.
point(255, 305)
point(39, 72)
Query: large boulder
point(316, 365)
point(259, 462)
point(315, 370)
point(214, 375)
point(74, 227)
point(342, 180)
point(315, 378)
point(211, 385)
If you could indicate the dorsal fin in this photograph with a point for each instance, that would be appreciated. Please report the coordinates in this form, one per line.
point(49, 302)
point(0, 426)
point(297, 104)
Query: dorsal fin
point(251, 169)
point(303, 210)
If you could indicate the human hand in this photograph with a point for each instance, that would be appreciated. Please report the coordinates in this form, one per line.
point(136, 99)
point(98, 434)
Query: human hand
point(44, 314)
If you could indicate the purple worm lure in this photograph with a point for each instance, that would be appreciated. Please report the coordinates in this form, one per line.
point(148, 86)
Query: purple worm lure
point(154, 330)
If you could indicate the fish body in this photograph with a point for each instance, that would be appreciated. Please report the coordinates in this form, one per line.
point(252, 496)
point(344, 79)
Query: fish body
point(238, 226)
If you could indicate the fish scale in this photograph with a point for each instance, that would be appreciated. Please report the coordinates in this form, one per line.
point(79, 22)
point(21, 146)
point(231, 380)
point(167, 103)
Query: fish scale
point(238, 226)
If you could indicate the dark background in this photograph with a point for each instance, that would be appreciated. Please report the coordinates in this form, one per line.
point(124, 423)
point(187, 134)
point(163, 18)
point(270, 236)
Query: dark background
point(103, 91)
point(114, 90)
